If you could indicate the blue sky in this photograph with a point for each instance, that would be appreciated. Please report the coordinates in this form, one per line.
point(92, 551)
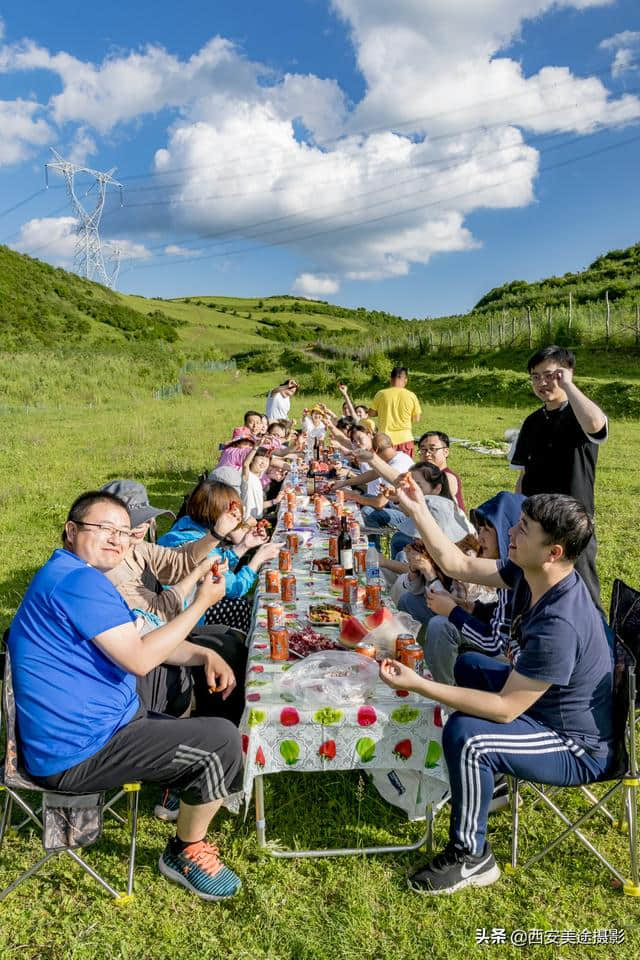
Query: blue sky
point(405, 156)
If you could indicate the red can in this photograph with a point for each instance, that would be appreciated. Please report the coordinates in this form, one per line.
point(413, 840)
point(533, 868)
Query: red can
point(337, 575)
point(354, 530)
point(288, 588)
point(373, 596)
point(284, 560)
point(292, 542)
point(413, 656)
point(366, 649)
point(275, 616)
point(333, 548)
point(272, 581)
point(403, 640)
point(279, 644)
point(360, 559)
point(340, 497)
point(287, 520)
point(339, 510)
point(291, 500)
point(317, 506)
point(350, 590)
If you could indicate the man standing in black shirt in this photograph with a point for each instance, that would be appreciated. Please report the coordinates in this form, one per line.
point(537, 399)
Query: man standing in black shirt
point(557, 447)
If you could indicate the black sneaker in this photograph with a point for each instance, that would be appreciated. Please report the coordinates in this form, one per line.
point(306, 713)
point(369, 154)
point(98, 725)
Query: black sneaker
point(454, 869)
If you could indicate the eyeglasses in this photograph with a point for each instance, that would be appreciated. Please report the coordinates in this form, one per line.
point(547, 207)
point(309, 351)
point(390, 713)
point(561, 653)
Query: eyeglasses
point(548, 377)
point(106, 530)
point(427, 449)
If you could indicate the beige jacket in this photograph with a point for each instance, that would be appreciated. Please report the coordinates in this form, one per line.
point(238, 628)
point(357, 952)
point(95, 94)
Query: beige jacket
point(169, 565)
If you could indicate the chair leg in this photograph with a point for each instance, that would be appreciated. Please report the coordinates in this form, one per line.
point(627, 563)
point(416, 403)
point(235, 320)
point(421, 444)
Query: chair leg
point(5, 822)
point(29, 873)
point(133, 826)
point(632, 888)
point(515, 819)
point(92, 873)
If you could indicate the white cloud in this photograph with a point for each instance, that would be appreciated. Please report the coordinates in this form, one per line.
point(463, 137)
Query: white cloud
point(81, 147)
point(174, 250)
point(129, 249)
point(626, 47)
point(313, 285)
point(49, 238)
point(20, 130)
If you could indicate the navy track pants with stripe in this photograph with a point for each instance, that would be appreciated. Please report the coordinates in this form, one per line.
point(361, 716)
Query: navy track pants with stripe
point(476, 750)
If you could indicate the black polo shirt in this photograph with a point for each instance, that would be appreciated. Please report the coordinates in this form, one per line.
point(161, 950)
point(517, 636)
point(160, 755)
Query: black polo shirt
point(557, 456)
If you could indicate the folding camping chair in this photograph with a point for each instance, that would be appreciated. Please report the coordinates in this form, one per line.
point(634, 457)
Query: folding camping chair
point(65, 821)
point(623, 775)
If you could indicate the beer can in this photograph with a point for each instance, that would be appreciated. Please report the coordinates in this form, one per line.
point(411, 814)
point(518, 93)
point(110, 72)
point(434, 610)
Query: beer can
point(293, 542)
point(403, 640)
point(288, 588)
point(413, 656)
point(317, 506)
point(272, 581)
point(333, 548)
point(373, 596)
point(275, 616)
point(360, 559)
point(291, 500)
point(340, 497)
point(337, 575)
point(284, 560)
point(279, 644)
point(350, 590)
point(287, 520)
point(366, 649)
point(354, 529)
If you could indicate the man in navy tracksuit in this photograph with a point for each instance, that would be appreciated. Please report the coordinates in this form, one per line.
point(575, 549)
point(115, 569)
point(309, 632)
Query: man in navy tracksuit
point(487, 626)
point(549, 718)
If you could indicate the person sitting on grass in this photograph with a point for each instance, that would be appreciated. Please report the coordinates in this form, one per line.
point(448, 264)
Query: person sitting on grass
point(549, 718)
point(206, 504)
point(433, 446)
point(76, 653)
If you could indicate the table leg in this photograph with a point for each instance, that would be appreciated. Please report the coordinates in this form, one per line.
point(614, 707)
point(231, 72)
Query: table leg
point(261, 826)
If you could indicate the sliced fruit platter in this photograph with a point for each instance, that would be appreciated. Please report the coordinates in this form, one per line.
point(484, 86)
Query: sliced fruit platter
point(326, 613)
point(306, 640)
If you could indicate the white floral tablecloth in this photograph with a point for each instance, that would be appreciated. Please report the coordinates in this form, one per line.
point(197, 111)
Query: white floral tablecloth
point(391, 730)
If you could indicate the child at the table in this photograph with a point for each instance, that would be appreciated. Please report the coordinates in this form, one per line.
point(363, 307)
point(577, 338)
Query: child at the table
point(254, 469)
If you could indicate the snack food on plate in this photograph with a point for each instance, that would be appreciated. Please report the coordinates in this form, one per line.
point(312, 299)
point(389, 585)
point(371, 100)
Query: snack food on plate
point(307, 640)
point(326, 613)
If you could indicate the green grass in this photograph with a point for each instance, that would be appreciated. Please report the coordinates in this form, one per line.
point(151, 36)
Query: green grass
point(356, 908)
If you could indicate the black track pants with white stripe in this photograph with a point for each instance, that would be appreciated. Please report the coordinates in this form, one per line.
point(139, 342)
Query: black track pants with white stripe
point(200, 758)
point(475, 750)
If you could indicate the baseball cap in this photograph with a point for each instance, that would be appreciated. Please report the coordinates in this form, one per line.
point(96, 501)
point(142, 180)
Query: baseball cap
point(136, 498)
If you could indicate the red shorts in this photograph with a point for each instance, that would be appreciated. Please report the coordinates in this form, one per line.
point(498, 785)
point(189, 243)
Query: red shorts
point(405, 447)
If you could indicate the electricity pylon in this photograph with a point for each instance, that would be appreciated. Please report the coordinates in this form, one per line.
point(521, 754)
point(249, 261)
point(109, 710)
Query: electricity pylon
point(88, 260)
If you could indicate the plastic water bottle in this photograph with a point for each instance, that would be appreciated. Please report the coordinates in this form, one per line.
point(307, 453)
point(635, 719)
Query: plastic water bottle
point(293, 472)
point(372, 565)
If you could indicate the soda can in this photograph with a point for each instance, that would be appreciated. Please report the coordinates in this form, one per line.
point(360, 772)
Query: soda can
point(279, 644)
point(354, 530)
point(287, 520)
point(360, 559)
point(338, 509)
point(284, 560)
point(288, 588)
point(293, 542)
point(272, 581)
point(413, 656)
point(337, 575)
point(275, 616)
point(317, 506)
point(350, 590)
point(366, 649)
point(333, 548)
point(403, 640)
point(291, 500)
point(373, 596)
point(340, 497)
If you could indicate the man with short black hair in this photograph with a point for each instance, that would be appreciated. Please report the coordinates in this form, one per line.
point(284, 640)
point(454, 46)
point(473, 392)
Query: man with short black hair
point(397, 409)
point(549, 718)
point(557, 447)
point(75, 655)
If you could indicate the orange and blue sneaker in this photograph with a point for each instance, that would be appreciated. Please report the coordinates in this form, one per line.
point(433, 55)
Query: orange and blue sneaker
point(197, 866)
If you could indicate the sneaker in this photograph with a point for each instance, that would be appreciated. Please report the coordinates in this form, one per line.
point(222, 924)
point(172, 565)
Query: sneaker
point(169, 806)
point(500, 798)
point(454, 869)
point(199, 868)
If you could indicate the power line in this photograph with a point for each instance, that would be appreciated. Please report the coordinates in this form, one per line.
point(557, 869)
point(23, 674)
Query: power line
point(367, 222)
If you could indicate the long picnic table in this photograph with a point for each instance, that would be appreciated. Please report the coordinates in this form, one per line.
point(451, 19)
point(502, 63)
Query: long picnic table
point(391, 730)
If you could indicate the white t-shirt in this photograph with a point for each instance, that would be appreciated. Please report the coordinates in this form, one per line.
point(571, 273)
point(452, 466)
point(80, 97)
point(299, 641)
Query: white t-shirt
point(252, 493)
point(373, 487)
point(278, 406)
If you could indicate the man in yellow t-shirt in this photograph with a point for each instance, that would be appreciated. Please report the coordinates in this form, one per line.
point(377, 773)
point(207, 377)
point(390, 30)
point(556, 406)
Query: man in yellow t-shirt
point(397, 409)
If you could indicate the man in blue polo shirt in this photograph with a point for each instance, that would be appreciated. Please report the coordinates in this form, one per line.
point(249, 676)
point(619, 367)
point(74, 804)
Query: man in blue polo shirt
point(75, 654)
point(548, 717)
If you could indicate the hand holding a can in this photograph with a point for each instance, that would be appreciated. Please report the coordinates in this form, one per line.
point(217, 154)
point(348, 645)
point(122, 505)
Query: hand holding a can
point(397, 675)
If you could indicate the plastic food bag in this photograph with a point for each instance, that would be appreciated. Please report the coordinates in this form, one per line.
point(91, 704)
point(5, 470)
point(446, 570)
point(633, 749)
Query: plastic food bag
point(384, 635)
point(335, 677)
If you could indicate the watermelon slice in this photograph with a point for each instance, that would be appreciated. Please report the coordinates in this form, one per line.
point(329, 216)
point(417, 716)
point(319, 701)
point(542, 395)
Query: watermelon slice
point(377, 618)
point(352, 631)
